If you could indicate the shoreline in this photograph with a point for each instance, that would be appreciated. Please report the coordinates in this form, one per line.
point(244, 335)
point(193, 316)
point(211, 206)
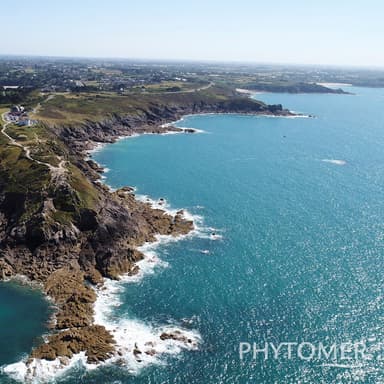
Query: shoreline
point(137, 344)
point(131, 334)
point(292, 115)
point(335, 84)
point(299, 88)
point(249, 92)
point(49, 368)
point(155, 340)
point(95, 146)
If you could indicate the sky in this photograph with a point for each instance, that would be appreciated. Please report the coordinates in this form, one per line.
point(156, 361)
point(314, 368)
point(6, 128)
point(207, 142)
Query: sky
point(327, 32)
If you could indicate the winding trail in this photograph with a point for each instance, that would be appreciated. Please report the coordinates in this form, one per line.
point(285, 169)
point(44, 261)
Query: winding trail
point(5, 125)
point(38, 106)
point(58, 172)
point(211, 84)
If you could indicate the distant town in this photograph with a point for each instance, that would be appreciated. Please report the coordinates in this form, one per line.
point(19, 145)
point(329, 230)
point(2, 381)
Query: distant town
point(21, 76)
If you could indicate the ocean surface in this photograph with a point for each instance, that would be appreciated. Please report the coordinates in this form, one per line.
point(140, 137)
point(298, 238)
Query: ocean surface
point(297, 209)
point(23, 319)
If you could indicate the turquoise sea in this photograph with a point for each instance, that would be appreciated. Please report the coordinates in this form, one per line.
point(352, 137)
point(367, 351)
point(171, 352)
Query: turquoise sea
point(23, 319)
point(301, 257)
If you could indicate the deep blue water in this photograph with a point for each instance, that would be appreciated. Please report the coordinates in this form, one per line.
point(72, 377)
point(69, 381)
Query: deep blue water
point(301, 257)
point(23, 317)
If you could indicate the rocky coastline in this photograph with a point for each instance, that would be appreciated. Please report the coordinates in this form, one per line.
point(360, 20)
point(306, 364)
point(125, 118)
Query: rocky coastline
point(75, 240)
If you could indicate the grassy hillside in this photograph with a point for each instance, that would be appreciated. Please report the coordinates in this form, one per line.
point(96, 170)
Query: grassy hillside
point(70, 108)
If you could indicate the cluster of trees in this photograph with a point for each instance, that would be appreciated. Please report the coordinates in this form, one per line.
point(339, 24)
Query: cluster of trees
point(16, 96)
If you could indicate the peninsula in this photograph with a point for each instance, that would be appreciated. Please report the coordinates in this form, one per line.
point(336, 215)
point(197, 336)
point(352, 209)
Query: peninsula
point(61, 227)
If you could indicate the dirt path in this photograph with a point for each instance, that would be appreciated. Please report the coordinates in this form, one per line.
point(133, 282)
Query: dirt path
point(12, 141)
point(38, 106)
point(58, 172)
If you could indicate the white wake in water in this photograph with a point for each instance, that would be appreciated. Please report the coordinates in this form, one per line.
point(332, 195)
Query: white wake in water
point(334, 161)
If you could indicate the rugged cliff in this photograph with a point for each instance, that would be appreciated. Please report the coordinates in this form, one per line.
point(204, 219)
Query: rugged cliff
point(62, 228)
point(154, 116)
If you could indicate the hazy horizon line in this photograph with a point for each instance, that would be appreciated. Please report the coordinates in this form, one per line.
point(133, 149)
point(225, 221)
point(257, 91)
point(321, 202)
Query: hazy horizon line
point(196, 61)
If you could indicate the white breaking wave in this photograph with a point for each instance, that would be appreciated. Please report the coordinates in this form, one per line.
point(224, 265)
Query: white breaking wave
point(299, 115)
point(44, 371)
point(163, 204)
point(137, 344)
point(200, 230)
point(345, 366)
point(334, 161)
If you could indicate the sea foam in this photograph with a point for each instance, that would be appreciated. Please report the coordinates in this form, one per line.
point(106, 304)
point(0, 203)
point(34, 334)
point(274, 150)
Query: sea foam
point(334, 161)
point(138, 344)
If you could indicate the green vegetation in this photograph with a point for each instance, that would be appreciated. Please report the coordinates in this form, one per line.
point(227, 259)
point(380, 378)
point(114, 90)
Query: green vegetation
point(26, 134)
point(3, 110)
point(64, 109)
point(87, 194)
point(19, 174)
point(172, 86)
point(93, 92)
point(28, 97)
point(40, 142)
point(289, 87)
point(21, 181)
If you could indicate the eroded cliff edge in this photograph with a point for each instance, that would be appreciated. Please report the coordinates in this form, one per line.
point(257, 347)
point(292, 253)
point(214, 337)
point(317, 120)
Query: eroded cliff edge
point(67, 231)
